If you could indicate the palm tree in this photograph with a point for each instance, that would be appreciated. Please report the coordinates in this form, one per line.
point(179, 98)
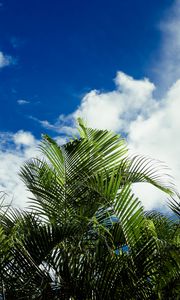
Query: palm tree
point(86, 235)
point(167, 231)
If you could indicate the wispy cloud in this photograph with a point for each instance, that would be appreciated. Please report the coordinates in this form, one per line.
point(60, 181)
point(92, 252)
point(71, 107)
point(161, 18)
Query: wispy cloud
point(167, 67)
point(23, 101)
point(5, 60)
point(63, 125)
point(17, 42)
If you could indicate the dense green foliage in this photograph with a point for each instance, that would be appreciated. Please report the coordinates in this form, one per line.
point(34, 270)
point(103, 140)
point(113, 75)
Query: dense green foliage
point(85, 235)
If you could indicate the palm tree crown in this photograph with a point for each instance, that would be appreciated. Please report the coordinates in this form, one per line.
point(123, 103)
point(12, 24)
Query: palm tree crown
point(86, 236)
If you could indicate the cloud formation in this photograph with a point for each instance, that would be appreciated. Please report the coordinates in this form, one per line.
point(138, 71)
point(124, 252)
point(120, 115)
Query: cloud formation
point(65, 124)
point(15, 149)
point(167, 66)
point(22, 101)
point(152, 126)
point(5, 60)
point(115, 110)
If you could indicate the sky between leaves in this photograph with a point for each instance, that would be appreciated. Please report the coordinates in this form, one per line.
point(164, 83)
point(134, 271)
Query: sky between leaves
point(114, 63)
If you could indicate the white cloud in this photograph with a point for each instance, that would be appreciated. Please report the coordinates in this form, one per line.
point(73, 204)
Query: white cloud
point(111, 110)
point(158, 137)
point(152, 126)
point(24, 138)
point(63, 125)
point(15, 149)
point(5, 60)
point(167, 66)
point(116, 109)
point(61, 140)
point(22, 101)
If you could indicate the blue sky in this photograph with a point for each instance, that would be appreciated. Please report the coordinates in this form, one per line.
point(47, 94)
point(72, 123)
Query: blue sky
point(62, 49)
point(115, 63)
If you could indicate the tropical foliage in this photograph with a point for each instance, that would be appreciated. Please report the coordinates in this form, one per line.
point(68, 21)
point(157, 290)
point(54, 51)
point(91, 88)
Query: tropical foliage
point(85, 235)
